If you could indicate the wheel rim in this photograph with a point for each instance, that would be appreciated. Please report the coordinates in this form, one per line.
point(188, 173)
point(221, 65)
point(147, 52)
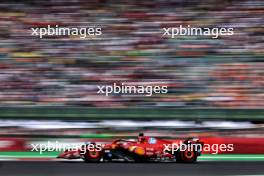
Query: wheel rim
point(188, 154)
point(94, 154)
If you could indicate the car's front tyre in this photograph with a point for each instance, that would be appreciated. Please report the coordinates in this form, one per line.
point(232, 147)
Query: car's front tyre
point(92, 155)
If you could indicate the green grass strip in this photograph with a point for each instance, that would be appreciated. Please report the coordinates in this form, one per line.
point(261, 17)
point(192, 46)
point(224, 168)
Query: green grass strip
point(204, 157)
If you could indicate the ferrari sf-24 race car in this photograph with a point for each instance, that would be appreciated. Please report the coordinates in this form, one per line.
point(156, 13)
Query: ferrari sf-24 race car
point(144, 149)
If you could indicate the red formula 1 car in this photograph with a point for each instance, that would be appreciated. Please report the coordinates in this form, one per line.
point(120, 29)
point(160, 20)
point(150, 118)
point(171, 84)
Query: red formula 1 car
point(145, 149)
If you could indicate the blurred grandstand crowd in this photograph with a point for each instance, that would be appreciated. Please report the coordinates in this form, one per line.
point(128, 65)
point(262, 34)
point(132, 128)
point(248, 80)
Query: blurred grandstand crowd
point(199, 71)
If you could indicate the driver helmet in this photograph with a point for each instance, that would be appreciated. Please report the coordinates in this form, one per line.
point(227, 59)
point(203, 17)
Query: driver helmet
point(141, 137)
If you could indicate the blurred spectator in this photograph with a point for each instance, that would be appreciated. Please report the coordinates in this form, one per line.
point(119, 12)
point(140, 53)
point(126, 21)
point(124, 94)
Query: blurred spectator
point(199, 71)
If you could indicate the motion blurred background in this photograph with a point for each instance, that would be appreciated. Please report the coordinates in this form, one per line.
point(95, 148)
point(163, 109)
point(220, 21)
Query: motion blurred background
point(48, 87)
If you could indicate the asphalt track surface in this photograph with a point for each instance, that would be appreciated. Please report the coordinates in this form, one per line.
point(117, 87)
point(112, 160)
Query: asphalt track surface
point(47, 168)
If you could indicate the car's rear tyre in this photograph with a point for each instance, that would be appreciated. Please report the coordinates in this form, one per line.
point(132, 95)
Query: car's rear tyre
point(187, 156)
